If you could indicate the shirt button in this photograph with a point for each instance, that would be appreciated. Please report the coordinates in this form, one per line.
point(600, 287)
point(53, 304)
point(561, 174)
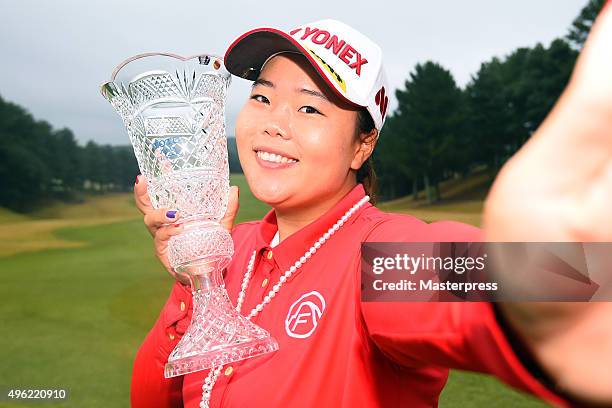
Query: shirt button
point(270, 254)
point(228, 371)
point(264, 283)
point(171, 336)
point(182, 306)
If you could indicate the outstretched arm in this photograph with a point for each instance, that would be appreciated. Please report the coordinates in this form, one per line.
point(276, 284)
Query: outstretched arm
point(565, 170)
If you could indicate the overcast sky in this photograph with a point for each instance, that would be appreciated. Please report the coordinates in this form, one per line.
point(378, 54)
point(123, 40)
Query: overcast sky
point(55, 54)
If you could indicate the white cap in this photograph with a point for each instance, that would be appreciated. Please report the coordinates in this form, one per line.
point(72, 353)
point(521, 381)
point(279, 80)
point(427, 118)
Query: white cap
point(348, 61)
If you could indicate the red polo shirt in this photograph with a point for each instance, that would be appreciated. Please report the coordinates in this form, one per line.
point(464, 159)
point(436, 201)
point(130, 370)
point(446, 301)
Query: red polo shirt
point(335, 351)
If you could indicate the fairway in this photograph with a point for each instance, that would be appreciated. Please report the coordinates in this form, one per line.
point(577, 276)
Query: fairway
point(80, 288)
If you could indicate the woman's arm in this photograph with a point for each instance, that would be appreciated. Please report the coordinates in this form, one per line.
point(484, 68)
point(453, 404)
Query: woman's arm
point(466, 336)
point(558, 187)
point(572, 343)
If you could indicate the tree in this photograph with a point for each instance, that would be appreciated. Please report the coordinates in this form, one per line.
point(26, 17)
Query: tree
point(392, 161)
point(22, 175)
point(71, 159)
point(535, 78)
point(509, 99)
point(428, 125)
point(581, 26)
point(232, 156)
point(126, 167)
point(489, 115)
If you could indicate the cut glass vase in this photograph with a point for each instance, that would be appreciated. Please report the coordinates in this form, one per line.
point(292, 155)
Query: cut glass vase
point(174, 111)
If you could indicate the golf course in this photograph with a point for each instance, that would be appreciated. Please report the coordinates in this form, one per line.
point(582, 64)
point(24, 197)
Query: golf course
point(80, 288)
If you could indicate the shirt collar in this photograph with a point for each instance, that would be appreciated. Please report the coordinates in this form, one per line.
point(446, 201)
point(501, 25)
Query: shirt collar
point(293, 247)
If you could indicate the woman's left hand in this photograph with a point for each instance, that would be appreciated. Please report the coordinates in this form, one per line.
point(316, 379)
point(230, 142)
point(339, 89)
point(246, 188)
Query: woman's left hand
point(558, 187)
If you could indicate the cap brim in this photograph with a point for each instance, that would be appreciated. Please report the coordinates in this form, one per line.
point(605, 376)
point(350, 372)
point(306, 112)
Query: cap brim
point(247, 54)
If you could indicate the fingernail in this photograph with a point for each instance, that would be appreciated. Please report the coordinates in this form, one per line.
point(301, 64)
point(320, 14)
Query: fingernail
point(137, 177)
point(238, 188)
point(171, 214)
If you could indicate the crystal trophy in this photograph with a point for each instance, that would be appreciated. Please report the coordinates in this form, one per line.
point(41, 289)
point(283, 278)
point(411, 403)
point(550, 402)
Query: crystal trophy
point(174, 112)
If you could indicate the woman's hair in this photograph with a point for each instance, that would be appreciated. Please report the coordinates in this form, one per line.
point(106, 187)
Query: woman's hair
point(366, 174)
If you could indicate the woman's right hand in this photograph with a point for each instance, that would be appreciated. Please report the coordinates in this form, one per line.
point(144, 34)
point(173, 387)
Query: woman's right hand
point(162, 222)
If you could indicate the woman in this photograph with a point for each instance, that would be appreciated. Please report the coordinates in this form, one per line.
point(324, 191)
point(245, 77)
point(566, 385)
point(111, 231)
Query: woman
point(305, 137)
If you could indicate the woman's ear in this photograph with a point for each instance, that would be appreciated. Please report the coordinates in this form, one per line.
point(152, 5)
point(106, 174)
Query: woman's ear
point(365, 148)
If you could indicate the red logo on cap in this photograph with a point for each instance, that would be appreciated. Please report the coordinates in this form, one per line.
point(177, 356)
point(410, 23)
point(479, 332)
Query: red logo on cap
point(381, 101)
point(341, 48)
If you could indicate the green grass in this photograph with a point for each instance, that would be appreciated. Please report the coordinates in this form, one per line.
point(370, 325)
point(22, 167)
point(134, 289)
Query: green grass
point(250, 207)
point(9, 216)
point(462, 200)
point(98, 207)
point(77, 303)
point(472, 390)
point(36, 232)
point(73, 318)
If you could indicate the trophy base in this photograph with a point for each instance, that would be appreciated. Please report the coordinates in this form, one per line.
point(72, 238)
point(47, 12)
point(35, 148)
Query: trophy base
point(217, 335)
point(223, 356)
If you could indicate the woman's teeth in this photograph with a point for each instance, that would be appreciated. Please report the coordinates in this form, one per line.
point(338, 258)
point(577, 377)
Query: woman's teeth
point(274, 158)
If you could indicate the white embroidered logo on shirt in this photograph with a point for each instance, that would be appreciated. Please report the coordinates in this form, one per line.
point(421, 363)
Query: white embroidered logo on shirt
point(304, 315)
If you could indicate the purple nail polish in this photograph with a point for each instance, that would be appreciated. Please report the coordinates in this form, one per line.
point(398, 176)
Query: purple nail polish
point(171, 214)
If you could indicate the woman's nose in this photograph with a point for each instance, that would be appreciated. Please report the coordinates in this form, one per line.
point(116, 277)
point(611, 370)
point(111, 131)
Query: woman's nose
point(278, 123)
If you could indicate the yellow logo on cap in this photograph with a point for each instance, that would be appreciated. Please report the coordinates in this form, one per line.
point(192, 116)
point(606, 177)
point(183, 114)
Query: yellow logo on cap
point(329, 69)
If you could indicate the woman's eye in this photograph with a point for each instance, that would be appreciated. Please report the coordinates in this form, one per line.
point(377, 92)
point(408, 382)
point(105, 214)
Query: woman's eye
point(260, 98)
point(309, 109)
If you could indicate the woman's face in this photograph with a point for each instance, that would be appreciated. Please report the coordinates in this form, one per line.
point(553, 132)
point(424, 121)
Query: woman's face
point(296, 139)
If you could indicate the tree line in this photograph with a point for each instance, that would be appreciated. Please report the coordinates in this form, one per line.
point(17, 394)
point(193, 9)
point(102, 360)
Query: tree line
point(39, 164)
point(438, 130)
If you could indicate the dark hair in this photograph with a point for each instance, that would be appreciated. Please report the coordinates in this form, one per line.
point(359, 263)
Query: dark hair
point(366, 174)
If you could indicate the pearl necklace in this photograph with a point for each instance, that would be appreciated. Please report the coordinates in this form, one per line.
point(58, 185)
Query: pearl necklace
point(210, 380)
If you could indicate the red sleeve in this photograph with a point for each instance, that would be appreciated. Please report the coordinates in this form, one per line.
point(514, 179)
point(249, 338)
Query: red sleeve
point(462, 335)
point(150, 389)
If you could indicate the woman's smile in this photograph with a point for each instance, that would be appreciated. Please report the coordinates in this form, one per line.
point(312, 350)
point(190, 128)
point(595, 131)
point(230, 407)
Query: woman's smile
point(274, 159)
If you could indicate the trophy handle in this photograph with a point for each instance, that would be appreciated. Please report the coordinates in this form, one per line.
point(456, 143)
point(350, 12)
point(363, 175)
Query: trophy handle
point(166, 54)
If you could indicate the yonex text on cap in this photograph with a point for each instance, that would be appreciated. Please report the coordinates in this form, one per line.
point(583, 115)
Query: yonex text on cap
point(349, 62)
